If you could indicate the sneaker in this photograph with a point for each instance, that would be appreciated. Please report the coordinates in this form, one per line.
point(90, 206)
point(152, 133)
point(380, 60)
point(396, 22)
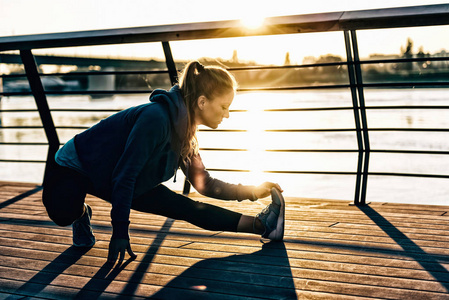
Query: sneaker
point(272, 217)
point(82, 231)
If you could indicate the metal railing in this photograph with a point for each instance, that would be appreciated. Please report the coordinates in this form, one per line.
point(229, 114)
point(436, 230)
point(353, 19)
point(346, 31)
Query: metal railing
point(347, 22)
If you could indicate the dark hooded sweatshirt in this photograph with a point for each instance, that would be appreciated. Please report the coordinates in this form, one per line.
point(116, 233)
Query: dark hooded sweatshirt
point(133, 151)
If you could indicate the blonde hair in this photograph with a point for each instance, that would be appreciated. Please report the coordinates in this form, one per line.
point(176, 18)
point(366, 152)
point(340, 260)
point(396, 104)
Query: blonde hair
point(194, 81)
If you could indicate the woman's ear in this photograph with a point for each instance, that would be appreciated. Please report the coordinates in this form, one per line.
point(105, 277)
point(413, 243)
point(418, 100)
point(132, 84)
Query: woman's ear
point(201, 102)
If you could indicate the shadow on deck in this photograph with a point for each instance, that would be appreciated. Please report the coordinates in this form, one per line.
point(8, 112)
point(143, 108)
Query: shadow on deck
point(331, 250)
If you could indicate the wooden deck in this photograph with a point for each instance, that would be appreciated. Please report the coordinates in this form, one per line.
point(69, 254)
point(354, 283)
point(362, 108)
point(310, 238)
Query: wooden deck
point(331, 251)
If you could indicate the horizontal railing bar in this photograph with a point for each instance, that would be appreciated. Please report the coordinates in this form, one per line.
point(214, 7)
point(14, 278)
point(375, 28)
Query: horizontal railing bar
point(22, 127)
point(90, 73)
point(17, 110)
point(369, 129)
point(432, 152)
point(41, 127)
point(403, 60)
point(226, 170)
point(310, 130)
point(222, 130)
point(356, 150)
point(102, 92)
point(222, 149)
point(336, 173)
point(312, 172)
point(410, 129)
point(274, 67)
point(282, 150)
point(286, 172)
point(22, 161)
point(12, 75)
point(106, 73)
point(109, 92)
point(409, 107)
point(410, 151)
point(408, 175)
point(336, 86)
point(278, 130)
point(308, 109)
point(98, 92)
point(313, 150)
point(23, 143)
point(84, 110)
point(386, 107)
point(61, 110)
point(14, 94)
point(267, 130)
point(340, 63)
point(289, 88)
point(407, 84)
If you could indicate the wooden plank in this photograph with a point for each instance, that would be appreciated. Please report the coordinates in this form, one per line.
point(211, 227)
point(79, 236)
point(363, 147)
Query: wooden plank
point(331, 251)
point(174, 235)
point(201, 272)
point(398, 268)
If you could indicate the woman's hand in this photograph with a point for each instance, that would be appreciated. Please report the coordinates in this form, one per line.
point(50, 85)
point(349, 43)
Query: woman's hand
point(264, 190)
point(117, 246)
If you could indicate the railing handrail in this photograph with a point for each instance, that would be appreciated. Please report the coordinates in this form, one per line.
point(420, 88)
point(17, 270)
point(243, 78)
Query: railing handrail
point(426, 15)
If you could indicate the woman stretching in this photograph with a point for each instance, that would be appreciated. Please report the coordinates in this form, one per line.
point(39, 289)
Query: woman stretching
point(124, 159)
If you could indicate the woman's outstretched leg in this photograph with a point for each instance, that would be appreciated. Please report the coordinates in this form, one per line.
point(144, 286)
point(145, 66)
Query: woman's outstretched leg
point(163, 201)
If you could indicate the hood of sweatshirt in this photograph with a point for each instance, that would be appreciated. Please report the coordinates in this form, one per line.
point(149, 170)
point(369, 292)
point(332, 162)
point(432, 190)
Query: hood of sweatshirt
point(177, 109)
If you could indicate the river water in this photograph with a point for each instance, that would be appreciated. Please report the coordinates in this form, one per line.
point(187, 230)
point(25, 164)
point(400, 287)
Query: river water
point(250, 113)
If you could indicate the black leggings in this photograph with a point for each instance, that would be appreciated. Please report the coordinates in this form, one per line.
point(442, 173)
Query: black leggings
point(65, 191)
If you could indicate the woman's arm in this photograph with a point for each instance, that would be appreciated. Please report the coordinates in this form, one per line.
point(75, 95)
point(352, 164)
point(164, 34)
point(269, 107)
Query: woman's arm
point(208, 186)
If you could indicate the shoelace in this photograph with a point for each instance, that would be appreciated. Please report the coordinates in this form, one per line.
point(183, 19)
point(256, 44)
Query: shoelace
point(266, 210)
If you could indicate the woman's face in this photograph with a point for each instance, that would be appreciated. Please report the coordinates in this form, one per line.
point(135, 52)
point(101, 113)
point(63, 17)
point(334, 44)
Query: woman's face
point(211, 112)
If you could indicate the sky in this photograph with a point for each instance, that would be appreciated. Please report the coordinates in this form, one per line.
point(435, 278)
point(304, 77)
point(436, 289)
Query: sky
point(21, 17)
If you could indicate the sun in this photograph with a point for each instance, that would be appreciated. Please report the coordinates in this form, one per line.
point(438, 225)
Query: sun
point(252, 21)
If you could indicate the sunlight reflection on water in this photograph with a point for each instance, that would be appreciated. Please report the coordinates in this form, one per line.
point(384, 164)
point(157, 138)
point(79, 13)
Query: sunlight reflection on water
point(250, 114)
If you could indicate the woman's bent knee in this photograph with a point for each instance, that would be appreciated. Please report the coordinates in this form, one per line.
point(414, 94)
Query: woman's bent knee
point(61, 211)
point(63, 196)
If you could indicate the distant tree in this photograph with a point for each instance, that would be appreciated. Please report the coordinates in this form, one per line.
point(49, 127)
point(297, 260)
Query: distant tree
point(328, 58)
point(422, 55)
point(407, 53)
point(308, 60)
point(287, 59)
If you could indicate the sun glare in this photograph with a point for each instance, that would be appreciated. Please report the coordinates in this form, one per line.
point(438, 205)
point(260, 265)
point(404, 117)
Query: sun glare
point(252, 22)
point(256, 138)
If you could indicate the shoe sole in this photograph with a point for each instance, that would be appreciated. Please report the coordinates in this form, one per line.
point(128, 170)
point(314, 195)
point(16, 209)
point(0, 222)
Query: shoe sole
point(279, 232)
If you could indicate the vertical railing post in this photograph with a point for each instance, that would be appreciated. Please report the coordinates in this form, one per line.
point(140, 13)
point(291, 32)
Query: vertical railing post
point(362, 108)
point(173, 73)
point(38, 92)
point(355, 105)
point(171, 66)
